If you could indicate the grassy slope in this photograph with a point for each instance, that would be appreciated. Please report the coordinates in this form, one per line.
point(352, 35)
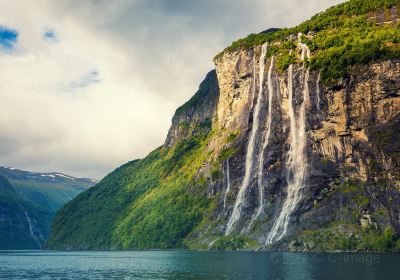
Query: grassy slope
point(150, 203)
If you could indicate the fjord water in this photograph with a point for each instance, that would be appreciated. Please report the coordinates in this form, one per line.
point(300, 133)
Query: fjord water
point(196, 265)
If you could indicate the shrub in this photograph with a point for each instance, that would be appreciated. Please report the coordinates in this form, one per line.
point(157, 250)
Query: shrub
point(229, 243)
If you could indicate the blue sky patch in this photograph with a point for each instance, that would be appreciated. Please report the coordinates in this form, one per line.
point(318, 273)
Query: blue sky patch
point(50, 36)
point(8, 38)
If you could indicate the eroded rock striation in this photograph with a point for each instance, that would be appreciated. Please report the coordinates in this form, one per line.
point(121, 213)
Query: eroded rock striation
point(352, 139)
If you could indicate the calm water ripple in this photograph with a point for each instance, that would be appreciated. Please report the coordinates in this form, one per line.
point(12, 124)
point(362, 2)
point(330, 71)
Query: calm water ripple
point(196, 265)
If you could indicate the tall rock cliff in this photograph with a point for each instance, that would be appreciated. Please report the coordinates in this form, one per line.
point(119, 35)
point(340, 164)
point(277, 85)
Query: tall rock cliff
point(292, 143)
point(350, 157)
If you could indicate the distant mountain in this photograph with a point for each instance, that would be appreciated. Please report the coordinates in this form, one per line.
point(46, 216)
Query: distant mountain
point(28, 203)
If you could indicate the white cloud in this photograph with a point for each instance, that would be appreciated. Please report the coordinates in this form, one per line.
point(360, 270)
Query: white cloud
point(104, 91)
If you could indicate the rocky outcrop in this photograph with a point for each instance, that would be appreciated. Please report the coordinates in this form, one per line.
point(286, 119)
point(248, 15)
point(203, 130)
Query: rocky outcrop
point(382, 16)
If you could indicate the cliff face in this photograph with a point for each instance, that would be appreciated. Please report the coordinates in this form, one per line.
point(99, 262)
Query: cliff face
point(350, 157)
point(292, 143)
point(195, 116)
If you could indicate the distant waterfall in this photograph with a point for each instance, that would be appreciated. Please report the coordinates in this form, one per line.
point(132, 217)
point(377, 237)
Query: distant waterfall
point(228, 183)
point(264, 146)
point(296, 164)
point(237, 209)
point(32, 234)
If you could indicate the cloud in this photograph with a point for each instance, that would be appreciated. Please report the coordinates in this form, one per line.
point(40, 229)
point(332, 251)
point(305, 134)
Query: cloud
point(85, 81)
point(91, 84)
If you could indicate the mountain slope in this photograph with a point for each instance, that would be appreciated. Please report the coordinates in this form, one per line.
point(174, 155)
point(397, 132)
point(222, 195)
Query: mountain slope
point(132, 205)
point(292, 143)
point(16, 229)
point(28, 204)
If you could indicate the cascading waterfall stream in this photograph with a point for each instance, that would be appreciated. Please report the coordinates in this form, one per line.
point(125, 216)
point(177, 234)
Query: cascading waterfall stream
point(32, 234)
point(318, 93)
point(228, 183)
point(296, 164)
point(264, 146)
point(237, 209)
point(305, 51)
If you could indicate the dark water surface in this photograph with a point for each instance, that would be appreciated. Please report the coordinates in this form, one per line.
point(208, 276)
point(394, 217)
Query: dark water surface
point(196, 265)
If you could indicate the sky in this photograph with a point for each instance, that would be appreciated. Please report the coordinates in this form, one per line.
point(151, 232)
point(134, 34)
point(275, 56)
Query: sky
point(88, 85)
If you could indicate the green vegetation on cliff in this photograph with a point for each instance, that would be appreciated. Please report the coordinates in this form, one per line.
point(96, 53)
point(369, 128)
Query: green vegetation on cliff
point(347, 237)
point(150, 203)
point(202, 95)
point(357, 230)
point(229, 243)
point(344, 36)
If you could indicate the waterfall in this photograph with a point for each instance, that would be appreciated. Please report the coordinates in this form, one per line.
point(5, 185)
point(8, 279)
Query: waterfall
point(264, 146)
point(228, 183)
point(296, 164)
point(237, 209)
point(318, 93)
point(32, 234)
point(305, 51)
